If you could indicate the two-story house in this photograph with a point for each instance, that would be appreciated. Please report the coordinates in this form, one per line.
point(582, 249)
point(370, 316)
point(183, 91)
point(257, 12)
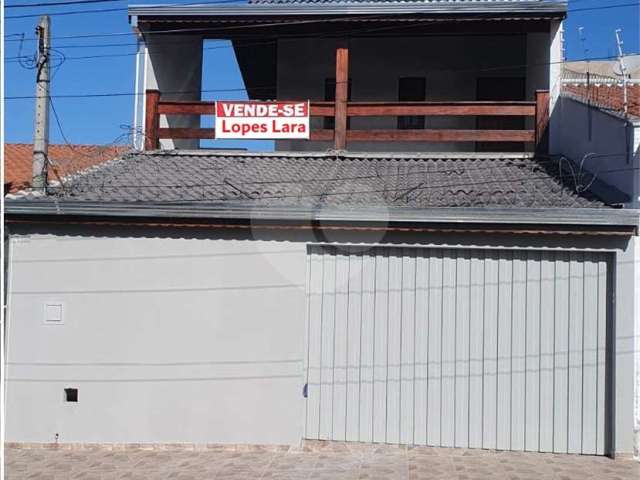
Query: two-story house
point(420, 270)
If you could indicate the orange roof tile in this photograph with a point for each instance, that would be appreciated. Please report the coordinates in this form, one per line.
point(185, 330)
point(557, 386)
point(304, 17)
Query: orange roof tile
point(65, 160)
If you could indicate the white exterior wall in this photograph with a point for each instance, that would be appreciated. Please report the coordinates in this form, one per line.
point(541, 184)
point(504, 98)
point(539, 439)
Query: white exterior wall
point(450, 64)
point(173, 63)
point(609, 144)
point(198, 336)
point(167, 340)
point(637, 350)
point(556, 57)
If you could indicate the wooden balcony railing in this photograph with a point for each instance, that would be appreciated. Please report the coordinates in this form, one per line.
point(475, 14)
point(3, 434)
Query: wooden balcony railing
point(538, 109)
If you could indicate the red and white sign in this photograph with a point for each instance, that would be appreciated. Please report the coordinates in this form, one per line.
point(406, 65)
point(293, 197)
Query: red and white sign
point(262, 120)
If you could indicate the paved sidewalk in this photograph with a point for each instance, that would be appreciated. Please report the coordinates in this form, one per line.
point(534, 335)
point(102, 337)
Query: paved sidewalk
point(326, 461)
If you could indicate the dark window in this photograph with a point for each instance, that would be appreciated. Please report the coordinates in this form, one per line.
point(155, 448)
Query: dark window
point(411, 89)
point(71, 394)
point(500, 89)
point(330, 96)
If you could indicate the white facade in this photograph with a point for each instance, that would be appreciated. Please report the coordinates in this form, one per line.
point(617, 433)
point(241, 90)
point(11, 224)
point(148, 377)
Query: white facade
point(198, 336)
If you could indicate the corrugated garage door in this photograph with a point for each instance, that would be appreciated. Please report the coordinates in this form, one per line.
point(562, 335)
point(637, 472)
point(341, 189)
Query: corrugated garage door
point(466, 348)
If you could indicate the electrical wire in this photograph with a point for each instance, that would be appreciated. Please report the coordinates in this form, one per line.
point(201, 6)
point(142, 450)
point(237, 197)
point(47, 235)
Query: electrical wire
point(268, 87)
point(240, 26)
point(55, 4)
point(109, 10)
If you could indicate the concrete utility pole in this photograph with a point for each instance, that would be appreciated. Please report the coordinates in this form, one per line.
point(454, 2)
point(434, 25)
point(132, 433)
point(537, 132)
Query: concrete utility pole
point(41, 127)
point(623, 69)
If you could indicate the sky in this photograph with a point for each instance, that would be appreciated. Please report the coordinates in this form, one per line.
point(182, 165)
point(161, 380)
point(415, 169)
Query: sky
point(103, 120)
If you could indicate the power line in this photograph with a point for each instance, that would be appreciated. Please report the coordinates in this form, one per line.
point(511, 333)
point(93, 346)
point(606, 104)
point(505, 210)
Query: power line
point(606, 7)
point(74, 12)
point(267, 87)
point(107, 10)
point(53, 4)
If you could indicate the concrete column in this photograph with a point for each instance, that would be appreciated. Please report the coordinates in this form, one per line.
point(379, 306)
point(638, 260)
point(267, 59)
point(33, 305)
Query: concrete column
point(174, 67)
point(537, 67)
point(555, 84)
point(139, 101)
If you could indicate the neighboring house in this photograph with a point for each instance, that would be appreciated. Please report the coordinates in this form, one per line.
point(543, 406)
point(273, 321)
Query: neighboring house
point(64, 160)
point(600, 83)
point(389, 280)
point(593, 127)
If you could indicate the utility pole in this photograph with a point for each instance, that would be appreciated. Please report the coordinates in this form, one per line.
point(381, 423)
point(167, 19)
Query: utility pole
point(623, 69)
point(41, 127)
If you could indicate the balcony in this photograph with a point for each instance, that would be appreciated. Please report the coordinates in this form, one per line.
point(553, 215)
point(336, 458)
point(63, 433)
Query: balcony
point(342, 110)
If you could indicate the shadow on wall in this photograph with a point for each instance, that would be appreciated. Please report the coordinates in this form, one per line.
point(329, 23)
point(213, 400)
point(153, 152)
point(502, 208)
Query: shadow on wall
point(602, 148)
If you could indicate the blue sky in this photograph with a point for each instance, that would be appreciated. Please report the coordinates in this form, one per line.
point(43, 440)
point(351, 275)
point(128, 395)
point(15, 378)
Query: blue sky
point(103, 119)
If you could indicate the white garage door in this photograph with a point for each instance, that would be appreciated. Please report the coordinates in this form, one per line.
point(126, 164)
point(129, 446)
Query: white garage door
point(467, 348)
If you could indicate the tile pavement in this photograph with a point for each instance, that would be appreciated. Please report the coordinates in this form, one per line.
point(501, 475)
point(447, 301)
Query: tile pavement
point(314, 461)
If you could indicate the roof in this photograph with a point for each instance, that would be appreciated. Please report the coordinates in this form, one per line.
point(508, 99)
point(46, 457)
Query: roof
point(457, 3)
point(605, 68)
point(319, 180)
point(351, 7)
point(65, 160)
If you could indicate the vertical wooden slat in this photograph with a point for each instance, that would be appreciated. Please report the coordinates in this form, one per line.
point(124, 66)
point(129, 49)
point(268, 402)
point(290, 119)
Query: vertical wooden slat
point(542, 120)
point(561, 354)
point(435, 348)
point(576, 336)
point(546, 362)
point(518, 351)
point(590, 359)
point(314, 354)
point(532, 357)
point(476, 349)
point(366, 373)
point(354, 354)
point(601, 353)
point(462, 350)
point(152, 120)
point(394, 345)
point(341, 338)
point(505, 317)
point(448, 339)
point(327, 345)
point(490, 371)
point(342, 92)
point(380, 347)
point(407, 352)
point(421, 345)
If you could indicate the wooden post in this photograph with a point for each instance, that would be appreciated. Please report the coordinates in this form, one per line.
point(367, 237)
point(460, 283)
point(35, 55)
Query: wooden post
point(151, 120)
point(342, 92)
point(542, 121)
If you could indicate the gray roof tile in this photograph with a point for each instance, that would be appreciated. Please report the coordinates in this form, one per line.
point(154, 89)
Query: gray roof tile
point(414, 2)
point(328, 179)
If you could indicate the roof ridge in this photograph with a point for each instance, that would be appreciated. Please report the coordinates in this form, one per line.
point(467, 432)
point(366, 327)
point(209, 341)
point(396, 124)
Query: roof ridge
point(342, 154)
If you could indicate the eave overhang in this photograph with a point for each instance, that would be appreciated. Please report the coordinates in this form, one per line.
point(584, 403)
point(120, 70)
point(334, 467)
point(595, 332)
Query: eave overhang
point(602, 221)
point(274, 19)
point(554, 7)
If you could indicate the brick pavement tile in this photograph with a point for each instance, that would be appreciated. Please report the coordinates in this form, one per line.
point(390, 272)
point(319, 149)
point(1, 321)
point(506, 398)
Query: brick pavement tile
point(321, 462)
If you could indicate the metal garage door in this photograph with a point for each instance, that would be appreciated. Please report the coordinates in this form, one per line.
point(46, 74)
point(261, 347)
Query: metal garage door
point(467, 348)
